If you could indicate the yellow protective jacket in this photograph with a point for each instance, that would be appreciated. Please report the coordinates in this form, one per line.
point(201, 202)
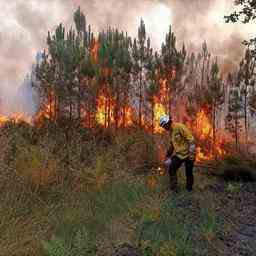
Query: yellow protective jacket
point(181, 138)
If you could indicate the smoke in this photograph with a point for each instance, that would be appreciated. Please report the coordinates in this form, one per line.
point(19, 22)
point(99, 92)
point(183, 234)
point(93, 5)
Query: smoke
point(24, 26)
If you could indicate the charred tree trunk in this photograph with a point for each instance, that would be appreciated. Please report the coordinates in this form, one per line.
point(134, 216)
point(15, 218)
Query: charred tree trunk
point(109, 111)
point(50, 106)
point(106, 113)
point(140, 98)
point(237, 132)
point(169, 100)
point(214, 130)
point(70, 109)
point(79, 102)
point(117, 108)
point(152, 114)
point(124, 109)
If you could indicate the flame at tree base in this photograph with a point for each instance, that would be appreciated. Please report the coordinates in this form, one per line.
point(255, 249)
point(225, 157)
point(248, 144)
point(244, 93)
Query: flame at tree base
point(15, 118)
point(213, 147)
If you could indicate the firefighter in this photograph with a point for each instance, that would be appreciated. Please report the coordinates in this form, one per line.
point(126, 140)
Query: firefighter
point(182, 150)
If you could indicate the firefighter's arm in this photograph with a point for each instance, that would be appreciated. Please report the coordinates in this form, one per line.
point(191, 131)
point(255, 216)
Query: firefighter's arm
point(190, 138)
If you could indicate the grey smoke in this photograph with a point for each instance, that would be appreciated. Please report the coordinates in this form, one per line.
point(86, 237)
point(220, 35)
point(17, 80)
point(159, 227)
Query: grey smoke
point(24, 26)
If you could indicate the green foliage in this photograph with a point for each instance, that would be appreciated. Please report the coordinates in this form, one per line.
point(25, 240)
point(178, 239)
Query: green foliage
point(96, 210)
point(233, 188)
point(56, 247)
point(246, 13)
point(168, 234)
point(209, 223)
point(81, 246)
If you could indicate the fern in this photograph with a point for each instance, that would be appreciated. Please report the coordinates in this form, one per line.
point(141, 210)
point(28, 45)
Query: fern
point(81, 246)
point(56, 247)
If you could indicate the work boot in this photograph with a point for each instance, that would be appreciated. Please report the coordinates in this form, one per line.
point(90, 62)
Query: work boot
point(189, 188)
point(174, 190)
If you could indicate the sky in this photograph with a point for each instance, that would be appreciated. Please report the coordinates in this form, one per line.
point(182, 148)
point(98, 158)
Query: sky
point(25, 23)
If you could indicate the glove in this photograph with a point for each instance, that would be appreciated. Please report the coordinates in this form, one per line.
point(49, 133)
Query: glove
point(168, 162)
point(192, 152)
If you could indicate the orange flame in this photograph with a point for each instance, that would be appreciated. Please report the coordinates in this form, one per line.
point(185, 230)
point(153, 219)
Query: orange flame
point(159, 110)
point(95, 52)
point(159, 105)
point(15, 117)
point(203, 125)
point(204, 131)
point(105, 114)
point(47, 110)
point(105, 109)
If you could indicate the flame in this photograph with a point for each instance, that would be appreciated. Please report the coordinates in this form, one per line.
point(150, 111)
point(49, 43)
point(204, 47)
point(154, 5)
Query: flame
point(95, 52)
point(159, 110)
point(15, 117)
point(105, 114)
point(204, 132)
point(159, 105)
point(203, 125)
point(128, 111)
point(105, 109)
point(47, 110)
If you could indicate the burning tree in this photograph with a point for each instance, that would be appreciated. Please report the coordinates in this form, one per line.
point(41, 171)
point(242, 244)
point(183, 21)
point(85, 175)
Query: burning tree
point(172, 68)
point(206, 96)
point(115, 81)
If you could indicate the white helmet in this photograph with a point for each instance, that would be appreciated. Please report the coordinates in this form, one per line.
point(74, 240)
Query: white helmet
point(164, 120)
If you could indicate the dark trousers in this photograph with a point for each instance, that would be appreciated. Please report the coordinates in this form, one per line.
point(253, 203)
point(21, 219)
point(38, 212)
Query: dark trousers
point(175, 165)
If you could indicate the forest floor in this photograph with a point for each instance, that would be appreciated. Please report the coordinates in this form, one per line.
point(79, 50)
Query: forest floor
point(217, 218)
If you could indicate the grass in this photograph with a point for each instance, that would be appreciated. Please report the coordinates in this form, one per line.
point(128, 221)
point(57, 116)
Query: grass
point(62, 222)
point(65, 222)
point(95, 211)
point(103, 200)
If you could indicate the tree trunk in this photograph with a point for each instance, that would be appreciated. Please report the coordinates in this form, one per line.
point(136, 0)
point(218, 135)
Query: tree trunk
point(214, 130)
point(236, 133)
point(79, 102)
point(245, 116)
point(140, 98)
point(70, 109)
point(169, 100)
point(50, 105)
point(116, 117)
point(152, 114)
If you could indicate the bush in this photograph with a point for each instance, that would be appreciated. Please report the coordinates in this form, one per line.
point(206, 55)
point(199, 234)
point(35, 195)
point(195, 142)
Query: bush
point(81, 245)
point(138, 149)
point(237, 168)
point(34, 167)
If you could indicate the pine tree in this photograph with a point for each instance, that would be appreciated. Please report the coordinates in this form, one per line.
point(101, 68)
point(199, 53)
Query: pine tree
point(234, 115)
point(216, 97)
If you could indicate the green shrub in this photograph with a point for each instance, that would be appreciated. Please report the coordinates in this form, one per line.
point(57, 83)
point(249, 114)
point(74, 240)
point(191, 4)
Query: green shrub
point(208, 224)
point(80, 246)
point(237, 172)
point(169, 234)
